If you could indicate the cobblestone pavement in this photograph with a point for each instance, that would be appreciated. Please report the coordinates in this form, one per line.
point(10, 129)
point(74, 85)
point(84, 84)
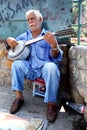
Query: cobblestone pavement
point(35, 107)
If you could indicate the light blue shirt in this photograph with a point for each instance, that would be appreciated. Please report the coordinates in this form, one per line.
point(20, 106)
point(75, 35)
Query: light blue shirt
point(40, 52)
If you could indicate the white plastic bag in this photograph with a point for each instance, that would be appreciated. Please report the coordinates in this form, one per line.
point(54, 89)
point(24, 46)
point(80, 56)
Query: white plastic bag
point(12, 122)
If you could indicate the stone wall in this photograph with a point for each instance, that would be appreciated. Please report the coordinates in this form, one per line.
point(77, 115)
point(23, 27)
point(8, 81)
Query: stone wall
point(5, 68)
point(78, 74)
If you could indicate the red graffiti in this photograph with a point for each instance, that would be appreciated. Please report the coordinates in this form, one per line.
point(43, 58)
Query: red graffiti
point(49, 15)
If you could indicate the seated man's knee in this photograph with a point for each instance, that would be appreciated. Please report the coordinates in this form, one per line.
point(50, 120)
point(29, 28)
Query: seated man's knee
point(16, 64)
point(51, 66)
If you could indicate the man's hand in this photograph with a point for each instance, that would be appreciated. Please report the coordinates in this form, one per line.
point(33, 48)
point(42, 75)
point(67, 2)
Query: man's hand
point(12, 42)
point(49, 37)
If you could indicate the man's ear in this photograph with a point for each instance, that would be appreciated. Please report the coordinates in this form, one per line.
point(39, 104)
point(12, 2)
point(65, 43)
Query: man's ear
point(41, 20)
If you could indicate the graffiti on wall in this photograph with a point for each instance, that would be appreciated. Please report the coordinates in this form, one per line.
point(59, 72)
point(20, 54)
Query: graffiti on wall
point(12, 14)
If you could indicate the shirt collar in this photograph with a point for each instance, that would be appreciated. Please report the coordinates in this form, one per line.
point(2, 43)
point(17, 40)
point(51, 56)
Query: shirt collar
point(42, 33)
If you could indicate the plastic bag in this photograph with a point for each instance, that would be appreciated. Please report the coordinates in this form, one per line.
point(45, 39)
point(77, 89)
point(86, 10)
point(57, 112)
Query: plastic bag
point(12, 122)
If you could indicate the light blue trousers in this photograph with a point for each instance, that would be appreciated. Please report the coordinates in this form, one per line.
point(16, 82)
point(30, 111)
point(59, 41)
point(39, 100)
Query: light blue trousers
point(49, 72)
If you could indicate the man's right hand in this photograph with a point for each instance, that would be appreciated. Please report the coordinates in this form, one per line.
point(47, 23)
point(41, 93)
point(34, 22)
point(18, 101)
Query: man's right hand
point(12, 42)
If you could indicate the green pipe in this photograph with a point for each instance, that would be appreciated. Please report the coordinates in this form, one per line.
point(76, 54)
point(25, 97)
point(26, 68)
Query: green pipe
point(79, 19)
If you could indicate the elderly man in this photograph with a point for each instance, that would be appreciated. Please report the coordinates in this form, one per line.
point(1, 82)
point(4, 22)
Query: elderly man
point(41, 63)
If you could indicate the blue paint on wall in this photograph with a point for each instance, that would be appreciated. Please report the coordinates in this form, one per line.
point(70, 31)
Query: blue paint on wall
point(57, 15)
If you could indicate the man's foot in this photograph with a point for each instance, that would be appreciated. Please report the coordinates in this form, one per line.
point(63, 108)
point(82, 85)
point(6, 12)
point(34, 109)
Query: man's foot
point(16, 105)
point(51, 112)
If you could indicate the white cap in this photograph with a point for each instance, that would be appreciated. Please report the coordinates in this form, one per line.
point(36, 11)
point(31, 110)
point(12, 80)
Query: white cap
point(67, 103)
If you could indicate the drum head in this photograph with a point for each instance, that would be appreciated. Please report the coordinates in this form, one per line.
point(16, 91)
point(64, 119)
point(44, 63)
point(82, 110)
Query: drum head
point(20, 52)
point(18, 49)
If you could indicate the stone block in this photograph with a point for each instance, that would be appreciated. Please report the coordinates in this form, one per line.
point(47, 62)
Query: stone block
point(78, 74)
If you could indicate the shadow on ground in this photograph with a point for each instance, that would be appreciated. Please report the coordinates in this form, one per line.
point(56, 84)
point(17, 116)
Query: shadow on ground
point(77, 124)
